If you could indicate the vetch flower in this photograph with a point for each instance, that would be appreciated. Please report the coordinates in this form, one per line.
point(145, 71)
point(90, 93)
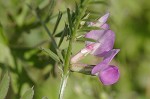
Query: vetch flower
point(105, 41)
point(103, 47)
point(108, 74)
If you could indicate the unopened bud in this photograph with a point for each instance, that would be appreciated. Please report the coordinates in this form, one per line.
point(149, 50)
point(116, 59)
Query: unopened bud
point(82, 68)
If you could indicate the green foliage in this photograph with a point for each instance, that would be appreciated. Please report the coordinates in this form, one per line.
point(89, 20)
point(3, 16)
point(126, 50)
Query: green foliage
point(57, 22)
point(28, 94)
point(83, 39)
point(63, 34)
point(51, 54)
point(4, 86)
point(29, 25)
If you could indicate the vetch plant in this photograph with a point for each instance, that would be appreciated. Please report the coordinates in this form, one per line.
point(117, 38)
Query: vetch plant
point(98, 38)
point(99, 41)
point(102, 47)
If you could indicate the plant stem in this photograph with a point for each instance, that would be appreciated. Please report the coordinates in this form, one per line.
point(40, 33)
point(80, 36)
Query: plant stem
point(68, 55)
point(77, 23)
point(63, 85)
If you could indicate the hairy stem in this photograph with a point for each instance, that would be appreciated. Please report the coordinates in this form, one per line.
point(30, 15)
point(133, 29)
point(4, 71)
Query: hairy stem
point(68, 55)
point(77, 23)
point(63, 85)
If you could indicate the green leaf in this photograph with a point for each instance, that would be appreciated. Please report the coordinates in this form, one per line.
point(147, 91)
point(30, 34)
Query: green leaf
point(77, 9)
point(57, 22)
point(63, 35)
point(86, 29)
point(4, 86)
point(86, 39)
point(51, 54)
point(51, 9)
point(60, 55)
point(28, 94)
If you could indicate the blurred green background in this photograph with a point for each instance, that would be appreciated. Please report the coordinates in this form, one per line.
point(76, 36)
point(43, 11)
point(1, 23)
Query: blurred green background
point(22, 36)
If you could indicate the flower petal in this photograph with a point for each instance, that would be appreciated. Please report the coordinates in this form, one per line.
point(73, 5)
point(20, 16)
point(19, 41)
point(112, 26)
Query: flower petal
point(105, 40)
point(106, 60)
point(108, 56)
point(109, 75)
point(106, 43)
point(105, 26)
point(94, 34)
point(99, 67)
point(103, 19)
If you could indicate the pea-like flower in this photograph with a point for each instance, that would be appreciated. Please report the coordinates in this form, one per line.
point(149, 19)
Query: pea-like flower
point(105, 41)
point(103, 47)
point(108, 74)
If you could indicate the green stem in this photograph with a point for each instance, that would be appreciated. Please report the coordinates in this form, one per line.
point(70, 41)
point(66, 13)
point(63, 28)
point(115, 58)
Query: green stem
point(68, 55)
point(77, 23)
point(63, 85)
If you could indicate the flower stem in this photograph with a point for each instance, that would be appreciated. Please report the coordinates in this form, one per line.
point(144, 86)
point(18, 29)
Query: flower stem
point(68, 55)
point(77, 23)
point(63, 85)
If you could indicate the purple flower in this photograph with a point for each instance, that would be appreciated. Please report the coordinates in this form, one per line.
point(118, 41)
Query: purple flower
point(105, 41)
point(103, 47)
point(108, 74)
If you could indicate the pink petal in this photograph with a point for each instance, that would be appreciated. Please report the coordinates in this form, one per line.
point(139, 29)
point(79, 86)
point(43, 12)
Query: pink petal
point(106, 60)
point(103, 19)
point(109, 75)
point(110, 55)
point(94, 34)
point(105, 40)
point(106, 43)
point(105, 26)
point(99, 67)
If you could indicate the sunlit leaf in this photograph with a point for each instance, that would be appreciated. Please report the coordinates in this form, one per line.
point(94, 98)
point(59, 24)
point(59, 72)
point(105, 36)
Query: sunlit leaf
point(4, 86)
point(86, 29)
point(86, 39)
point(51, 54)
point(28, 94)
